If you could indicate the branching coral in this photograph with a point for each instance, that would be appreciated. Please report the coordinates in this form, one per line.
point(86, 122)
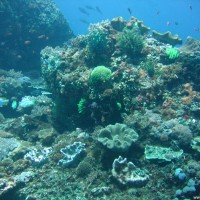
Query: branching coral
point(172, 53)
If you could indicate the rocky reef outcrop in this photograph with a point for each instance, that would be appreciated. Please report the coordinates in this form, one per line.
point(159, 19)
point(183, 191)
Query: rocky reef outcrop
point(26, 28)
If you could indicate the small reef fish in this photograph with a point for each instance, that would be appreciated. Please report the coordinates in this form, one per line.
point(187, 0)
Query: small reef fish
point(41, 36)
point(98, 10)
point(89, 7)
point(82, 10)
point(3, 102)
point(196, 29)
point(46, 93)
point(27, 42)
point(168, 23)
point(158, 12)
point(190, 6)
point(14, 105)
point(19, 56)
point(176, 23)
point(2, 43)
point(130, 11)
point(84, 21)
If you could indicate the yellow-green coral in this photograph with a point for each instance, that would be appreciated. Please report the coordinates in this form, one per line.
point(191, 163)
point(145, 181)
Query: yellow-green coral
point(81, 106)
point(172, 53)
point(100, 74)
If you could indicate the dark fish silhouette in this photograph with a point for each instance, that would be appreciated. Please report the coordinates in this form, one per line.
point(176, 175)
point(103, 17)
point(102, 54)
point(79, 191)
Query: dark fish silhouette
point(84, 21)
point(176, 23)
point(82, 10)
point(89, 7)
point(190, 6)
point(130, 11)
point(158, 12)
point(98, 10)
point(196, 29)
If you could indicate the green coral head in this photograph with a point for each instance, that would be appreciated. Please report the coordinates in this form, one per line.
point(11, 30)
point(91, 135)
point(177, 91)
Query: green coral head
point(172, 53)
point(82, 105)
point(100, 74)
point(119, 105)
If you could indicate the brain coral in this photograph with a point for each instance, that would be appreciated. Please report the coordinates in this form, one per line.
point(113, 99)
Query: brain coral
point(117, 137)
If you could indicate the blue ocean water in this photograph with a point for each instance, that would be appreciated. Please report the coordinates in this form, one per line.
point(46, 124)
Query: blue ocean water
point(181, 17)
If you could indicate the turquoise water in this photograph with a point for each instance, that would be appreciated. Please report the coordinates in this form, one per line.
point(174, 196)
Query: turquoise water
point(183, 16)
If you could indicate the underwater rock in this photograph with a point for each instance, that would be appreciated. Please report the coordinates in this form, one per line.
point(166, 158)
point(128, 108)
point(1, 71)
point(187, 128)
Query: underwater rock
point(72, 154)
point(24, 177)
point(26, 104)
point(2, 118)
point(161, 153)
point(142, 27)
point(127, 173)
point(191, 45)
point(100, 191)
point(7, 145)
point(167, 38)
point(8, 184)
point(182, 134)
point(32, 26)
point(196, 143)
point(172, 129)
point(118, 23)
point(47, 136)
point(117, 137)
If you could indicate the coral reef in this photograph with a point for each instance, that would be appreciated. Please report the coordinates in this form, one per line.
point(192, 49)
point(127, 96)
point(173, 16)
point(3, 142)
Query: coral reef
point(103, 123)
point(190, 45)
point(118, 23)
